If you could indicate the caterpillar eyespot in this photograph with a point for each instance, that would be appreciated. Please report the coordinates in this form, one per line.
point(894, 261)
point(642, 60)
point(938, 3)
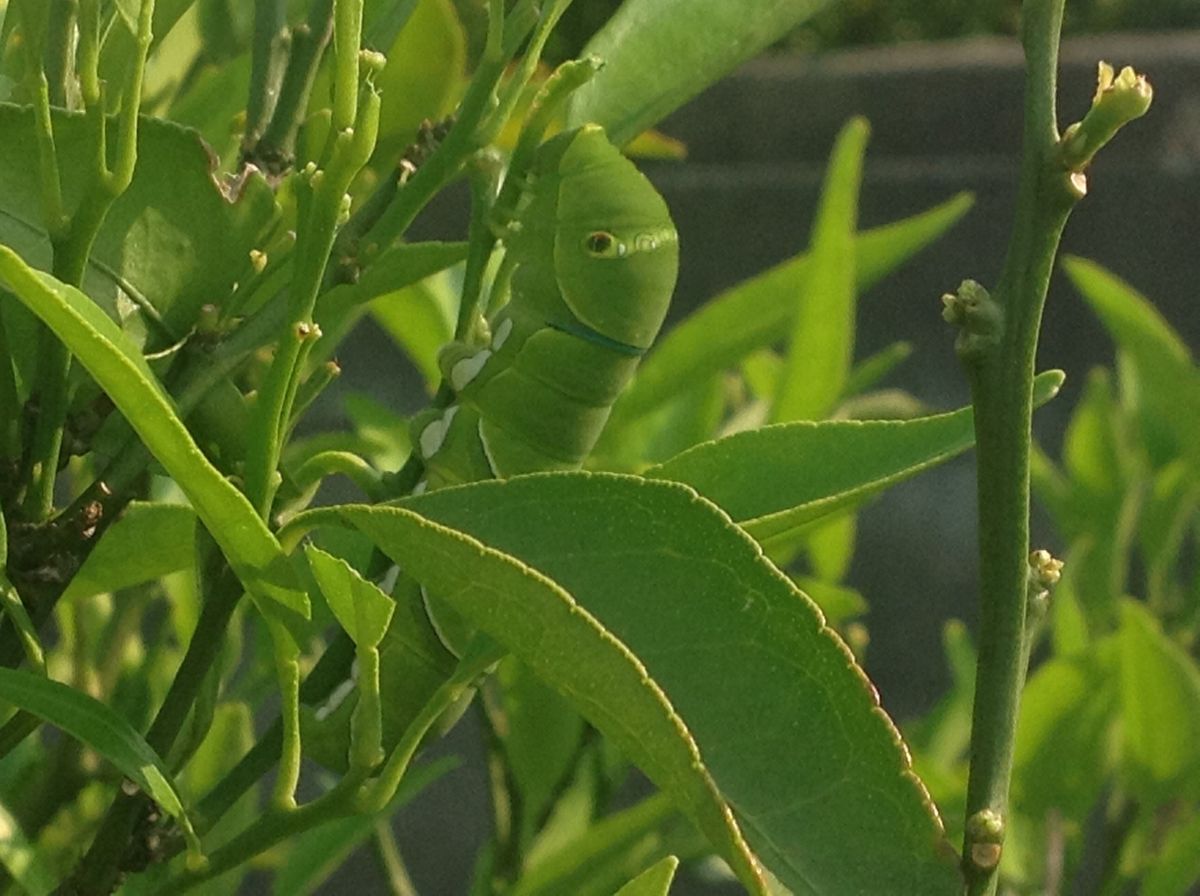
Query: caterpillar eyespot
point(604, 245)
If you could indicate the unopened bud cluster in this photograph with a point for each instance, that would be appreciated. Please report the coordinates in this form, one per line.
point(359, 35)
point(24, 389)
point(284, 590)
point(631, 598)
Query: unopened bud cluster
point(1119, 99)
point(978, 317)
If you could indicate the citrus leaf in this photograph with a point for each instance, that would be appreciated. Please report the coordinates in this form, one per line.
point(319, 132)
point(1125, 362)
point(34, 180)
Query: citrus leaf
point(821, 349)
point(1166, 378)
point(117, 366)
point(559, 640)
point(774, 479)
point(662, 621)
point(92, 723)
point(170, 244)
point(1160, 697)
point(654, 881)
point(360, 607)
point(149, 541)
point(679, 47)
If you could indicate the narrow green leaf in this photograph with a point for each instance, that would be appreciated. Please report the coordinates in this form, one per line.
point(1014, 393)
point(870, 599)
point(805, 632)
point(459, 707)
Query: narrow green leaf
point(654, 881)
point(611, 850)
point(760, 310)
point(149, 541)
point(821, 348)
point(1166, 378)
point(870, 371)
point(20, 859)
point(775, 479)
point(360, 607)
point(679, 47)
point(92, 723)
point(1160, 696)
point(652, 577)
point(116, 365)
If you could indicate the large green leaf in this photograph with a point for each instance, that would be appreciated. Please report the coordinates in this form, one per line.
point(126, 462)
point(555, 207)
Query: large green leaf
point(115, 363)
point(92, 723)
point(149, 541)
point(774, 479)
point(171, 243)
point(760, 311)
point(820, 351)
point(664, 624)
point(679, 47)
point(545, 627)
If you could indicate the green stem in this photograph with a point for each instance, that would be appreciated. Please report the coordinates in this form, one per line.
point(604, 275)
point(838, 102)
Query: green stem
point(448, 159)
point(347, 37)
point(328, 463)
point(351, 149)
point(59, 51)
point(330, 671)
point(117, 180)
point(287, 659)
point(481, 241)
point(11, 606)
point(1002, 385)
point(352, 794)
point(72, 251)
point(387, 851)
point(10, 414)
point(268, 60)
point(275, 826)
point(479, 656)
point(276, 150)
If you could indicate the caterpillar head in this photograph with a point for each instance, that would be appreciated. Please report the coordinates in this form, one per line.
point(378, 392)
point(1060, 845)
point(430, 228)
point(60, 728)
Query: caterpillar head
point(616, 252)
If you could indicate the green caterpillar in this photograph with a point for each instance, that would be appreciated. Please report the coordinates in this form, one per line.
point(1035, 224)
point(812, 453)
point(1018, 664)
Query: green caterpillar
point(594, 258)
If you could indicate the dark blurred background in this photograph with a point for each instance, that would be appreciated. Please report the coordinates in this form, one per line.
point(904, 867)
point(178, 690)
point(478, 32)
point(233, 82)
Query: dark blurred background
point(945, 117)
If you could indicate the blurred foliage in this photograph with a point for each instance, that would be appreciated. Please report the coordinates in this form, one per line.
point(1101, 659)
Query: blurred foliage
point(850, 23)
